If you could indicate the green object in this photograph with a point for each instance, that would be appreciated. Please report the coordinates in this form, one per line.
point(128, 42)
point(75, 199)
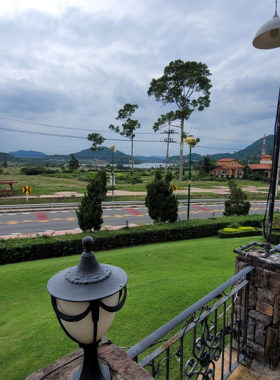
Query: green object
point(189, 183)
point(90, 211)
point(237, 203)
point(239, 232)
point(162, 204)
point(178, 85)
point(28, 327)
point(129, 125)
point(73, 163)
point(96, 139)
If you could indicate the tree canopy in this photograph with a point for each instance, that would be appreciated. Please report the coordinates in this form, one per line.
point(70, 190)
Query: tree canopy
point(129, 125)
point(97, 139)
point(187, 86)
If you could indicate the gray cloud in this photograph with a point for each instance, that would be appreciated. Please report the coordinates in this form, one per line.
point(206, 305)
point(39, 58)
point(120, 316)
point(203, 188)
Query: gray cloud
point(77, 65)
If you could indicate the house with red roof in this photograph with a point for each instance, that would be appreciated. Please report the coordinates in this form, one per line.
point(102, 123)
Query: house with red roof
point(264, 167)
point(228, 167)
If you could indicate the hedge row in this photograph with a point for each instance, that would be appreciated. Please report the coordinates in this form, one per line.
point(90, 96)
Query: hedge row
point(225, 234)
point(27, 249)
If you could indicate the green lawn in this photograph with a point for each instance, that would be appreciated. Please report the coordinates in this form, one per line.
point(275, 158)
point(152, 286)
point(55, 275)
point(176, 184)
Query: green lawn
point(164, 279)
point(50, 184)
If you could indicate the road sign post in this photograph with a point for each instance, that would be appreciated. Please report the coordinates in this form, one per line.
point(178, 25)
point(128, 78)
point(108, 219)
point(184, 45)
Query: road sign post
point(26, 190)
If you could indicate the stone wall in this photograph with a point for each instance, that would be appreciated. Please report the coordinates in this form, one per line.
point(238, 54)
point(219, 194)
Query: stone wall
point(120, 365)
point(263, 338)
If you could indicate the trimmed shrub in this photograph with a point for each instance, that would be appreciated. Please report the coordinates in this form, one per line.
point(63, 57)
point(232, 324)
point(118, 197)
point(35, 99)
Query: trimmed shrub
point(229, 232)
point(26, 249)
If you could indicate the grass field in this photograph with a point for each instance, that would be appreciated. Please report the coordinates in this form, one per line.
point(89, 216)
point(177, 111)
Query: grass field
point(44, 184)
point(164, 279)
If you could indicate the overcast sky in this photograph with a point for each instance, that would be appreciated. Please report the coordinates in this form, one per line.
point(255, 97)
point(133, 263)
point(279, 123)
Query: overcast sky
point(68, 66)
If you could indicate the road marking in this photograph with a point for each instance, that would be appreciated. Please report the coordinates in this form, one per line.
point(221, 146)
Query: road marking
point(201, 208)
point(40, 216)
point(132, 211)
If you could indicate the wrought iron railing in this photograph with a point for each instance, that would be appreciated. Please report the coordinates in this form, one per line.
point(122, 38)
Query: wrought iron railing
point(206, 341)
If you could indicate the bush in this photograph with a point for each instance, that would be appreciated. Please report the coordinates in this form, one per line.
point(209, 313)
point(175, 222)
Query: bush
point(239, 232)
point(237, 203)
point(162, 204)
point(18, 250)
point(90, 211)
point(35, 170)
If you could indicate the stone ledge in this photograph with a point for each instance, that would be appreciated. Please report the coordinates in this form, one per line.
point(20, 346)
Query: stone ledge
point(122, 367)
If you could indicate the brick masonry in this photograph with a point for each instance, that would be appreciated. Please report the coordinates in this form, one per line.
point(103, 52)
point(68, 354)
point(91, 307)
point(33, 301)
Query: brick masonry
point(263, 333)
point(120, 365)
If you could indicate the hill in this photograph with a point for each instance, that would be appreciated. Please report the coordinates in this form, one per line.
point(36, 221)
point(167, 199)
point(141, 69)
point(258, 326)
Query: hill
point(252, 154)
point(28, 154)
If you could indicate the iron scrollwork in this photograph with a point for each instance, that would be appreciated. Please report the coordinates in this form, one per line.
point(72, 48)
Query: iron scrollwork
point(206, 350)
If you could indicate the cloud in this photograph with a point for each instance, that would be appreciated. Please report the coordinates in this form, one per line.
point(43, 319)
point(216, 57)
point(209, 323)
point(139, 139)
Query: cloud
point(75, 64)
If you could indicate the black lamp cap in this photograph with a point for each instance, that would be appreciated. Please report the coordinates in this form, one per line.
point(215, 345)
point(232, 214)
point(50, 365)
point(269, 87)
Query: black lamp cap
point(87, 281)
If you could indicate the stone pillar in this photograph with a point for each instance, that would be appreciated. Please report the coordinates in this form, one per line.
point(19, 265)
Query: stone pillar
point(121, 366)
point(263, 339)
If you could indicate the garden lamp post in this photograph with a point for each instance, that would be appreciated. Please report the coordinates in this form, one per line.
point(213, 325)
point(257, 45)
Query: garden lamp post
point(112, 177)
point(191, 141)
point(268, 37)
point(85, 299)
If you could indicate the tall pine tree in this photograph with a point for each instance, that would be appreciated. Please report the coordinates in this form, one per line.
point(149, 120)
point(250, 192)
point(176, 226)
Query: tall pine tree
point(90, 211)
point(161, 202)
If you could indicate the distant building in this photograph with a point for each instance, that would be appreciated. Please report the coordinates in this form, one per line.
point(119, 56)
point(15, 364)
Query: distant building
point(263, 168)
point(228, 167)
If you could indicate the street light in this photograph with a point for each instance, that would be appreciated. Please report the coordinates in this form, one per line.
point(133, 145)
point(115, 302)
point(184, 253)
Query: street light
point(191, 141)
point(112, 176)
point(85, 299)
point(268, 37)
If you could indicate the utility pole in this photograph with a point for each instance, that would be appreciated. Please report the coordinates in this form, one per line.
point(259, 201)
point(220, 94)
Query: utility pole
point(168, 140)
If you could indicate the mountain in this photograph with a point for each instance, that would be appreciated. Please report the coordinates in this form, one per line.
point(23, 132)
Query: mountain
point(28, 154)
point(252, 154)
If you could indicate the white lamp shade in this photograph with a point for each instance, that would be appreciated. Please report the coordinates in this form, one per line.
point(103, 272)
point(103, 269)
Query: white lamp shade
point(82, 330)
point(268, 36)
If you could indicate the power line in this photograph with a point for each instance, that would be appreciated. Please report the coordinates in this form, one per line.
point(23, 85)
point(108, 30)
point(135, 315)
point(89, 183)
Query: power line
point(68, 136)
point(61, 127)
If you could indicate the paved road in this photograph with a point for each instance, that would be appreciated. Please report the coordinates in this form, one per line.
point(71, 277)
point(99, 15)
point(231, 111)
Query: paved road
point(60, 220)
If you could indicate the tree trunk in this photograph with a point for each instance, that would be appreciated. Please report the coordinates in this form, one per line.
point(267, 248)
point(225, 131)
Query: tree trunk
point(132, 161)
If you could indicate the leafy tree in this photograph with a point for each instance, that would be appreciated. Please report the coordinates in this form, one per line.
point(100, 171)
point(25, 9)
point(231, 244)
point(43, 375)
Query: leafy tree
point(90, 211)
point(96, 140)
point(207, 165)
point(73, 163)
point(237, 203)
point(128, 126)
point(4, 164)
point(161, 202)
point(178, 85)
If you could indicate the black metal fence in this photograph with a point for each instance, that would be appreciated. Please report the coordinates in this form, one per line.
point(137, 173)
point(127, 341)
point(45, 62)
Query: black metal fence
point(206, 341)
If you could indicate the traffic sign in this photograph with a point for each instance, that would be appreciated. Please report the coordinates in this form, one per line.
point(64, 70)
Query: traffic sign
point(26, 189)
point(174, 187)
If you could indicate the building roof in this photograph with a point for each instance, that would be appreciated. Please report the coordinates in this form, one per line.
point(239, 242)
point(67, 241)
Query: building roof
point(260, 166)
point(227, 159)
point(238, 166)
point(266, 155)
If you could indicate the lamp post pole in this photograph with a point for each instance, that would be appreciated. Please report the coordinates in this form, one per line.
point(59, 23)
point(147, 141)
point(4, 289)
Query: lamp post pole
point(191, 141)
point(189, 183)
point(268, 37)
point(113, 149)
